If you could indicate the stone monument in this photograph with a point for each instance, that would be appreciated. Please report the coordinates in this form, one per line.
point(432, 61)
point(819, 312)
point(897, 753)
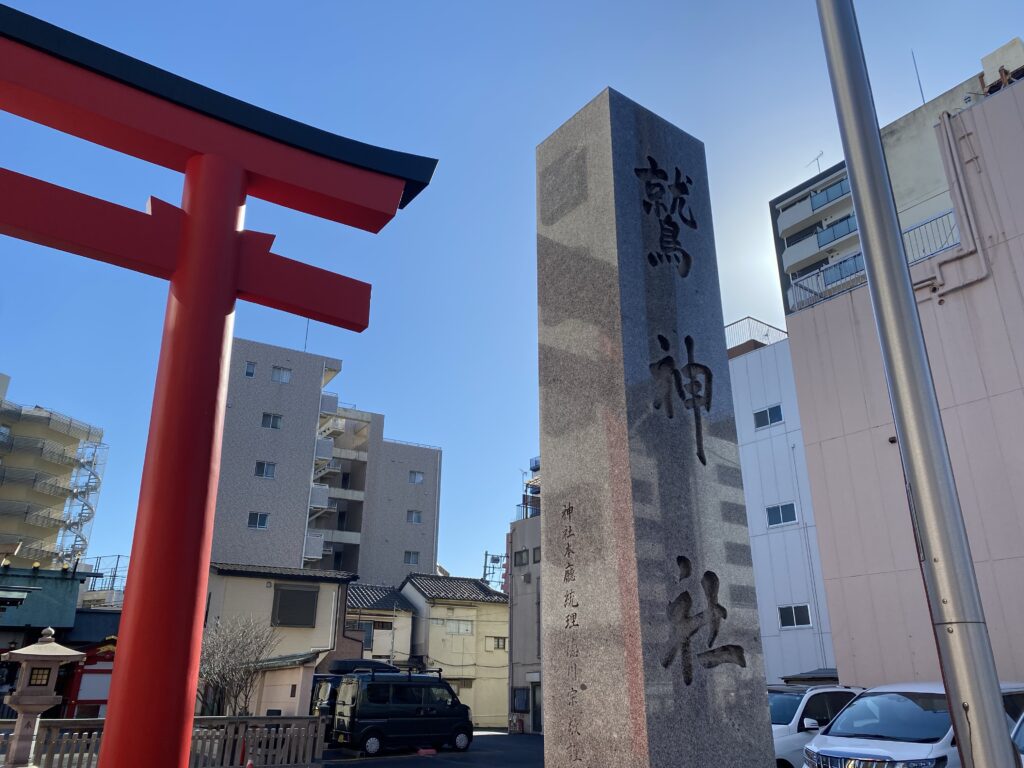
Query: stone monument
point(650, 641)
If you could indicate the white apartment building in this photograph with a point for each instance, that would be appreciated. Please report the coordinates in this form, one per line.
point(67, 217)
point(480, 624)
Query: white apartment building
point(815, 228)
point(307, 481)
point(792, 610)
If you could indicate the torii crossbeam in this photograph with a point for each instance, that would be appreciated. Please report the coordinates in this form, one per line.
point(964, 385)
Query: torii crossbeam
point(227, 150)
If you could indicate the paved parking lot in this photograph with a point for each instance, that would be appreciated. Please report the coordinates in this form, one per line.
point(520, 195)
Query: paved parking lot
point(494, 750)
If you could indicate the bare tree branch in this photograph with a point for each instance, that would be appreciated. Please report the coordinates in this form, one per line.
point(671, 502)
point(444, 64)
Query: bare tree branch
point(229, 664)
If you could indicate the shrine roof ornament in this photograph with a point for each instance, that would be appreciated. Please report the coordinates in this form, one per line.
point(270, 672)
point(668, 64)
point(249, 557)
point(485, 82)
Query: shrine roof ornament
point(130, 110)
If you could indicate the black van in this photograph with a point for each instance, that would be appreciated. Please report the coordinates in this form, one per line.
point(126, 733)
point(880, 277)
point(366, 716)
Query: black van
point(373, 711)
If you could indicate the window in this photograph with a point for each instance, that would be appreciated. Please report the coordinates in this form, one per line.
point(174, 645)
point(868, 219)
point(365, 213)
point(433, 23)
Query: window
point(521, 700)
point(294, 691)
point(816, 709)
point(266, 469)
point(377, 693)
point(250, 369)
point(536, 554)
point(259, 520)
point(437, 696)
point(794, 616)
point(459, 627)
point(39, 676)
point(500, 643)
point(5, 432)
point(414, 516)
point(383, 625)
point(415, 477)
point(407, 695)
point(437, 622)
point(412, 558)
point(272, 420)
point(767, 417)
point(780, 514)
point(280, 375)
point(294, 605)
point(521, 557)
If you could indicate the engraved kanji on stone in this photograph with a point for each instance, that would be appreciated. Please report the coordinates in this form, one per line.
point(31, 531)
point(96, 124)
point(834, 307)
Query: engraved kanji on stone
point(691, 382)
point(570, 600)
point(570, 574)
point(656, 189)
point(570, 621)
point(685, 625)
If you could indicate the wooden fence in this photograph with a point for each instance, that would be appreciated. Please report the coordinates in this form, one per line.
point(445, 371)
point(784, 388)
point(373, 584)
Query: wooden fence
point(217, 742)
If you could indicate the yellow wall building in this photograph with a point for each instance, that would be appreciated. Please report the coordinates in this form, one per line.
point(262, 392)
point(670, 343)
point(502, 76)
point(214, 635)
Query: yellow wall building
point(306, 607)
point(382, 618)
point(50, 472)
point(461, 626)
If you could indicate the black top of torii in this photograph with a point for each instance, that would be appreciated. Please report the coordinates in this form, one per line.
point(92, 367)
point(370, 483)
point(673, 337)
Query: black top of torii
point(415, 170)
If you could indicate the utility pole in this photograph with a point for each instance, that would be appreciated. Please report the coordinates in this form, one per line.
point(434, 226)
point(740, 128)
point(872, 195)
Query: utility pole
point(954, 600)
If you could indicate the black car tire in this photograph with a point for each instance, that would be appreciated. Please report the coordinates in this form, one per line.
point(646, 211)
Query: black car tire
point(461, 740)
point(373, 743)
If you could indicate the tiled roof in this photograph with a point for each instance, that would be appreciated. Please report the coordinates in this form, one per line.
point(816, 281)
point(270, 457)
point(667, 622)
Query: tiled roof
point(292, 574)
point(375, 597)
point(456, 588)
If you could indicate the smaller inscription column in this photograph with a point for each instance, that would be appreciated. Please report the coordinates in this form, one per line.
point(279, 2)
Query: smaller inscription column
point(650, 643)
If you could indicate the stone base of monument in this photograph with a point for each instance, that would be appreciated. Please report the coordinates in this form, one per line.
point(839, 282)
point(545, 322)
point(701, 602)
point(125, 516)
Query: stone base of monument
point(650, 641)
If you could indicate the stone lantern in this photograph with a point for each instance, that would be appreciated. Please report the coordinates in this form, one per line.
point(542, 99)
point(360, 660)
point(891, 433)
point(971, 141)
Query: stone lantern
point(34, 694)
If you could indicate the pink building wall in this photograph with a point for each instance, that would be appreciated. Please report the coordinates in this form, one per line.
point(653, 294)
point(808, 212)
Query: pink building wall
point(971, 301)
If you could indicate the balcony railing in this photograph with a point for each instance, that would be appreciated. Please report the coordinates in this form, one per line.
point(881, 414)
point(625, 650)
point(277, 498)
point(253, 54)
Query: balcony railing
point(37, 446)
point(840, 229)
point(920, 242)
point(523, 511)
point(830, 193)
point(751, 329)
point(42, 482)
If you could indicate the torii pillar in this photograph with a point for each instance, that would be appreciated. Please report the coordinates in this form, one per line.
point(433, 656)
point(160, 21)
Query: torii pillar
point(227, 150)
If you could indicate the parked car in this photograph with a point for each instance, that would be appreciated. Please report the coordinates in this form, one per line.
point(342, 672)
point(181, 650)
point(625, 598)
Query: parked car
point(373, 711)
point(798, 712)
point(907, 723)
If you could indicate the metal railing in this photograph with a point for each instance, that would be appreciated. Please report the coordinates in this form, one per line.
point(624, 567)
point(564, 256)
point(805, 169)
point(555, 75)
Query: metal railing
point(58, 422)
point(38, 446)
point(830, 193)
point(42, 482)
point(930, 237)
point(752, 329)
point(840, 229)
point(524, 511)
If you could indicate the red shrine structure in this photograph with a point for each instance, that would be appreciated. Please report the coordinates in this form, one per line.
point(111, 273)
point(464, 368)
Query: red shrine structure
point(227, 150)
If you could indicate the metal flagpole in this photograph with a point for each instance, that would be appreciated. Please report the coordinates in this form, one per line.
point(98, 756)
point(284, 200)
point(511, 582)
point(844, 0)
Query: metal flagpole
point(954, 601)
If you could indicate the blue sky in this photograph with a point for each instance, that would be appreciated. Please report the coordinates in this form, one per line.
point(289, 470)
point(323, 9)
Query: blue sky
point(450, 356)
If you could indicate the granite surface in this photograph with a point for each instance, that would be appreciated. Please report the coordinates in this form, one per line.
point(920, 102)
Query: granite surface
point(650, 642)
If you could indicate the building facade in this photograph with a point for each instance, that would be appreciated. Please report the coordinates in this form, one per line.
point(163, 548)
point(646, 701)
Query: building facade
point(382, 618)
point(793, 613)
point(971, 302)
point(816, 236)
point(308, 482)
point(306, 608)
point(51, 468)
point(524, 559)
point(461, 625)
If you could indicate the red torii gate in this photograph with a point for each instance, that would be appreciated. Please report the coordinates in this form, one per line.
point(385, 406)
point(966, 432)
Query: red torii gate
point(227, 150)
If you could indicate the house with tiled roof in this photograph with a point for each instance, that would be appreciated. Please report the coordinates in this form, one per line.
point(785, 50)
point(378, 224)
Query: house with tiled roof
point(382, 616)
point(307, 609)
point(460, 625)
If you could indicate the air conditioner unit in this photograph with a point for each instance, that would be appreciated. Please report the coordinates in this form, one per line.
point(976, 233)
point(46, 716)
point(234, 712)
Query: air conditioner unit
point(527, 578)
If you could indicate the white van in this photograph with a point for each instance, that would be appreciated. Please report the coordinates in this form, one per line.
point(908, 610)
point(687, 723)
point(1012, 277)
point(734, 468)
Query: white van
point(906, 724)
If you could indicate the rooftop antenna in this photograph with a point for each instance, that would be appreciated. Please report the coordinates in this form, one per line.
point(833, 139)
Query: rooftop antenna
point(916, 72)
point(817, 159)
point(305, 341)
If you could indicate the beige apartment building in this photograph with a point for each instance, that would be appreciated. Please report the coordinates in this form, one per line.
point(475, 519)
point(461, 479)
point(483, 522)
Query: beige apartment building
point(461, 626)
point(970, 296)
point(51, 468)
